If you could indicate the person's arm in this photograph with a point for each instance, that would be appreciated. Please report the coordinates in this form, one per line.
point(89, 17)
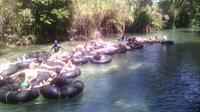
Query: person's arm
point(49, 67)
point(30, 86)
point(46, 66)
point(61, 47)
point(51, 49)
point(73, 67)
point(61, 62)
point(1, 78)
point(52, 73)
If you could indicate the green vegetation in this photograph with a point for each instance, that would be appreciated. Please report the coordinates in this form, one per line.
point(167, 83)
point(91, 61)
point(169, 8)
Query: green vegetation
point(50, 18)
point(148, 20)
point(182, 13)
point(104, 16)
point(34, 21)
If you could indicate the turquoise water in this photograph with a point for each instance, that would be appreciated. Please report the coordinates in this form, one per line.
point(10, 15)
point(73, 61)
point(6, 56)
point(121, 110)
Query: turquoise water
point(154, 79)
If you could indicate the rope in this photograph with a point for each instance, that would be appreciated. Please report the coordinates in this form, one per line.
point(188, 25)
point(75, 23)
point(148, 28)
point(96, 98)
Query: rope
point(38, 91)
point(59, 93)
point(7, 96)
point(11, 88)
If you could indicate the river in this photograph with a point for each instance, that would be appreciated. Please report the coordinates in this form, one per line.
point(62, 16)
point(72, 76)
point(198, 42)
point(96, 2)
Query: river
point(155, 79)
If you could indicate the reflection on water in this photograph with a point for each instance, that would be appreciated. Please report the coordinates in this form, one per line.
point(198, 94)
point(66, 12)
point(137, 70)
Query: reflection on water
point(155, 79)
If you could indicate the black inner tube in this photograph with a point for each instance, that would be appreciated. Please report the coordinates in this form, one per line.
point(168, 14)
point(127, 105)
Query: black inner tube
point(105, 59)
point(6, 81)
point(41, 76)
point(10, 94)
point(62, 88)
point(72, 74)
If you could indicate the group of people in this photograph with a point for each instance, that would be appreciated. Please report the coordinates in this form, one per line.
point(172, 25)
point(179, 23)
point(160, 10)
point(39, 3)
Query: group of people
point(88, 49)
point(25, 77)
point(124, 38)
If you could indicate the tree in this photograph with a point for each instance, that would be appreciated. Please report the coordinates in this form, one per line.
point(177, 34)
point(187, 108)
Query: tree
point(50, 18)
point(180, 11)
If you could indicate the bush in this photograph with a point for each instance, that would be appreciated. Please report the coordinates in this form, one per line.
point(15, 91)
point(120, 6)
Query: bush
point(50, 15)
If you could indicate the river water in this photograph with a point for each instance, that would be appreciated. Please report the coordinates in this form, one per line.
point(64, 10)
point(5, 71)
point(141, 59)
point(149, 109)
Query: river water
point(155, 79)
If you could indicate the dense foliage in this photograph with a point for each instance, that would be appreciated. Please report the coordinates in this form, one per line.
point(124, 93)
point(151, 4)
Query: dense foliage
point(104, 16)
point(25, 21)
point(148, 20)
point(182, 13)
point(50, 18)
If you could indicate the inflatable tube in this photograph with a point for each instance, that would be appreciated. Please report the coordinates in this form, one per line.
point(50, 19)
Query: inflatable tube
point(72, 74)
point(78, 85)
point(50, 91)
point(6, 81)
point(155, 41)
point(23, 64)
point(61, 81)
point(36, 54)
point(104, 59)
point(80, 60)
point(138, 46)
point(121, 49)
point(10, 94)
point(167, 42)
point(54, 63)
point(106, 52)
point(10, 70)
point(67, 91)
point(152, 41)
point(41, 76)
point(72, 90)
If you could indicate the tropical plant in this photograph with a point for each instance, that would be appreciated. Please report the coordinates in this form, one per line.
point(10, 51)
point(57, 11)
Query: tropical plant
point(7, 11)
point(22, 22)
point(180, 11)
point(148, 19)
point(50, 17)
point(104, 16)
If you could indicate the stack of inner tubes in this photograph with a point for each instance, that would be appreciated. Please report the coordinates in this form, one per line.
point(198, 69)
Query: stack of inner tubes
point(62, 87)
point(72, 74)
point(10, 90)
point(11, 94)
